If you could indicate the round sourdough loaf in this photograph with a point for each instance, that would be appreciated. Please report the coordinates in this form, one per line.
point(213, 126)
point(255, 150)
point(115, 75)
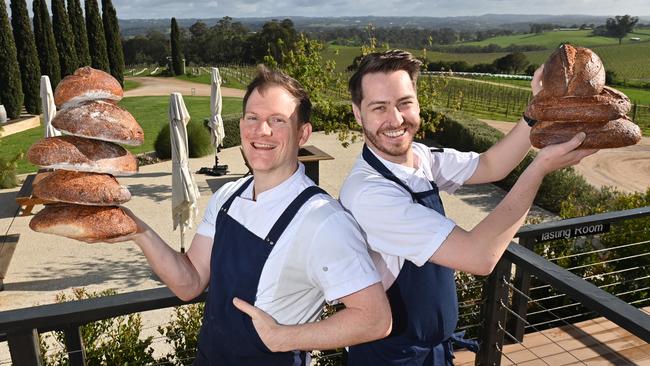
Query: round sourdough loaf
point(572, 71)
point(83, 222)
point(600, 135)
point(81, 188)
point(610, 104)
point(80, 154)
point(100, 120)
point(86, 84)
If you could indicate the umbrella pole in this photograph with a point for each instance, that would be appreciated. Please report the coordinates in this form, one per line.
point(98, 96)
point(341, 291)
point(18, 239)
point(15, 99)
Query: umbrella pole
point(182, 239)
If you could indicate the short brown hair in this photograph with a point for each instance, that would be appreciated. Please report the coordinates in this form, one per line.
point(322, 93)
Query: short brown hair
point(267, 77)
point(389, 61)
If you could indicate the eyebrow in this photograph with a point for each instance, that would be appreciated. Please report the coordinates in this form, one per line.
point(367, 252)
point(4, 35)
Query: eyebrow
point(383, 102)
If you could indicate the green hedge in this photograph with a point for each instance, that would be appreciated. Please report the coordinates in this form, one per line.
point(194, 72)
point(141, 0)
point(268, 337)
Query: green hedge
point(198, 139)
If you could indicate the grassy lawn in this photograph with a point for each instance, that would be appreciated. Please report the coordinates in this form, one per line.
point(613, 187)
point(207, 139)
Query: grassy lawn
point(150, 112)
point(130, 84)
point(550, 39)
point(205, 79)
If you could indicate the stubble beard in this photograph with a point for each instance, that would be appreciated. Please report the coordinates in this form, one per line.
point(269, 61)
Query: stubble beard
point(391, 150)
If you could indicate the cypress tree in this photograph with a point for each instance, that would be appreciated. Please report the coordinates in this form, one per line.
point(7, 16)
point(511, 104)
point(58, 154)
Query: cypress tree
point(11, 91)
point(45, 44)
point(177, 57)
point(78, 25)
point(64, 38)
point(30, 71)
point(96, 40)
point(113, 40)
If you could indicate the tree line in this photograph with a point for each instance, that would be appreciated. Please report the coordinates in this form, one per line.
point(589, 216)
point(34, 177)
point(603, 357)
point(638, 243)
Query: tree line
point(56, 47)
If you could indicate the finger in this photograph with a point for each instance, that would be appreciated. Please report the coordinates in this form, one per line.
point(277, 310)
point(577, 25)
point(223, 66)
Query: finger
point(245, 307)
point(574, 142)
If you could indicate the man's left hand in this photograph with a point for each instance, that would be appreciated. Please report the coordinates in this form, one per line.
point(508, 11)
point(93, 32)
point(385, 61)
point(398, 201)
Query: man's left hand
point(267, 328)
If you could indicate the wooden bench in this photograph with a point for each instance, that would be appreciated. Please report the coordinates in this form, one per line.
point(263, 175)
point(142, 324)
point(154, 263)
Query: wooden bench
point(309, 155)
point(26, 198)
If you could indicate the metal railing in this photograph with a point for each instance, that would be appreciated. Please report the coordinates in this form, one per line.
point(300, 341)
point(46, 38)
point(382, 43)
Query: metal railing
point(503, 314)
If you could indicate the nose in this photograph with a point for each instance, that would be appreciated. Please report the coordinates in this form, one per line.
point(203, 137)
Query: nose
point(264, 129)
point(395, 117)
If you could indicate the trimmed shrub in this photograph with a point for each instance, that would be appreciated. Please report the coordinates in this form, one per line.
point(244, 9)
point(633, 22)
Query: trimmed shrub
point(64, 38)
point(30, 71)
point(11, 90)
point(198, 140)
point(182, 333)
point(8, 171)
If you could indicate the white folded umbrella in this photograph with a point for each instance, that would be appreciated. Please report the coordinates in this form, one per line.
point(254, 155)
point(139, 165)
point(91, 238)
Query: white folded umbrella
point(184, 190)
point(216, 123)
point(49, 107)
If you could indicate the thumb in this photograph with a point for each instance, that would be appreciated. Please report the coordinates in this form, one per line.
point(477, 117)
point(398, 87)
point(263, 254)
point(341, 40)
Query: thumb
point(244, 307)
point(575, 141)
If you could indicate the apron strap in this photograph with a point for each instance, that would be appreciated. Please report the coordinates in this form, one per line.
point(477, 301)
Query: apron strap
point(289, 213)
point(226, 206)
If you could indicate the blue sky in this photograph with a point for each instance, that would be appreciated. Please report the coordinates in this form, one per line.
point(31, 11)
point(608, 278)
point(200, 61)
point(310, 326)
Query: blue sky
point(130, 9)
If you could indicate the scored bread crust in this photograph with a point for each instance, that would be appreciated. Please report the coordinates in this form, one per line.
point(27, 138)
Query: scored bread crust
point(85, 84)
point(610, 104)
point(599, 135)
point(100, 120)
point(80, 154)
point(81, 188)
point(83, 222)
point(573, 71)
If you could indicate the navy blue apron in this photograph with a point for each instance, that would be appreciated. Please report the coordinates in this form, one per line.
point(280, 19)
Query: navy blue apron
point(228, 336)
point(423, 303)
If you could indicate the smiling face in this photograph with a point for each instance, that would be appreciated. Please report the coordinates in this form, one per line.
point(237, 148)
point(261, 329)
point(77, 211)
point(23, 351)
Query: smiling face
point(271, 134)
point(389, 114)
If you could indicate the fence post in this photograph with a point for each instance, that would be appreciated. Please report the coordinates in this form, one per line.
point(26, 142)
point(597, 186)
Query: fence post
point(24, 349)
point(74, 345)
point(494, 315)
point(516, 326)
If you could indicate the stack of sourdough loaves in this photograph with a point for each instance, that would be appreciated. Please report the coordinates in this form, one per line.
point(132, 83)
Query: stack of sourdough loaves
point(574, 98)
point(85, 193)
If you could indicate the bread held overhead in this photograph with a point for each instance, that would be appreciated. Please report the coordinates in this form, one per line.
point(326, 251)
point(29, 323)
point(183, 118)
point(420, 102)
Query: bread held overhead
point(575, 99)
point(80, 154)
point(87, 84)
point(82, 188)
point(100, 120)
point(83, 222)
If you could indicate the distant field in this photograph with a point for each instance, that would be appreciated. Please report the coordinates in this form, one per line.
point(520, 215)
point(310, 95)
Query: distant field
point(552, 39)
point(629, 60)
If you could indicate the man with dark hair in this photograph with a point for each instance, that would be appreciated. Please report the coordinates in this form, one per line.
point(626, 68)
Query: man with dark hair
point(392, 191)
point(277, 241)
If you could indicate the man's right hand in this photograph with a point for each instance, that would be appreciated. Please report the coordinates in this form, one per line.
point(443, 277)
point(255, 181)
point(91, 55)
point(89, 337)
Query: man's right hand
point(558, 156)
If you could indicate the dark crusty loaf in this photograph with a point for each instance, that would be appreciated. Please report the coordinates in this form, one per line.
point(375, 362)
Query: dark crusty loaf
point(610, 104)
point(83, 222)
point(86, 84)
point(80, 154)
point(600, 135)
point(572, 71)
point(81, 188)
point(100, 120)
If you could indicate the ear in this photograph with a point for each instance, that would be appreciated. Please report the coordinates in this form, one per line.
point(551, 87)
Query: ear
point(357, 114)
point(305, 133)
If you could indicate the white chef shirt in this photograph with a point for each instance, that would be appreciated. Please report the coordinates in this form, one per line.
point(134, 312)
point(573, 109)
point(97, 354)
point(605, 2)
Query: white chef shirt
point(331, 261)
point(396, 227)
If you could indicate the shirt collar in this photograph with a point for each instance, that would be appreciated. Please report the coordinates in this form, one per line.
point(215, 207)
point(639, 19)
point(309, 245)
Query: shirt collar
point(400, 171)
point(279, 192)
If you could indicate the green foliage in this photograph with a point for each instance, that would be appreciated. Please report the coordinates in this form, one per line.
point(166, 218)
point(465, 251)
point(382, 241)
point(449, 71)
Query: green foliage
point(30, 71)
point(182, 333)
point(198, 140)
point(78, 25)
point(177, 56)
point(64, 38)
point(8, 171)
point(96, 38)
point(619, 26)
point(113, 41)
point(11, 90)
point(45, 43)
point(113, 341)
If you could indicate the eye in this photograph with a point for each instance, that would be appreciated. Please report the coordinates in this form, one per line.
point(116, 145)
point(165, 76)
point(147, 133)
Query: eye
point(379, 108)
point(250, 118)
point(276, 120)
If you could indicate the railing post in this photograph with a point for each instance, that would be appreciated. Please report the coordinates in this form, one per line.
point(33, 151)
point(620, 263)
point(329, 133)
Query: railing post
point(521, 282)
point(74, 345)
point(494, 315)
point(24, 349)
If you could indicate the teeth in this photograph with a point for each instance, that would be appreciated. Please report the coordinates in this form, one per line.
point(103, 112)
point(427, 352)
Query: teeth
point(395, 133)
point(258, 145)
